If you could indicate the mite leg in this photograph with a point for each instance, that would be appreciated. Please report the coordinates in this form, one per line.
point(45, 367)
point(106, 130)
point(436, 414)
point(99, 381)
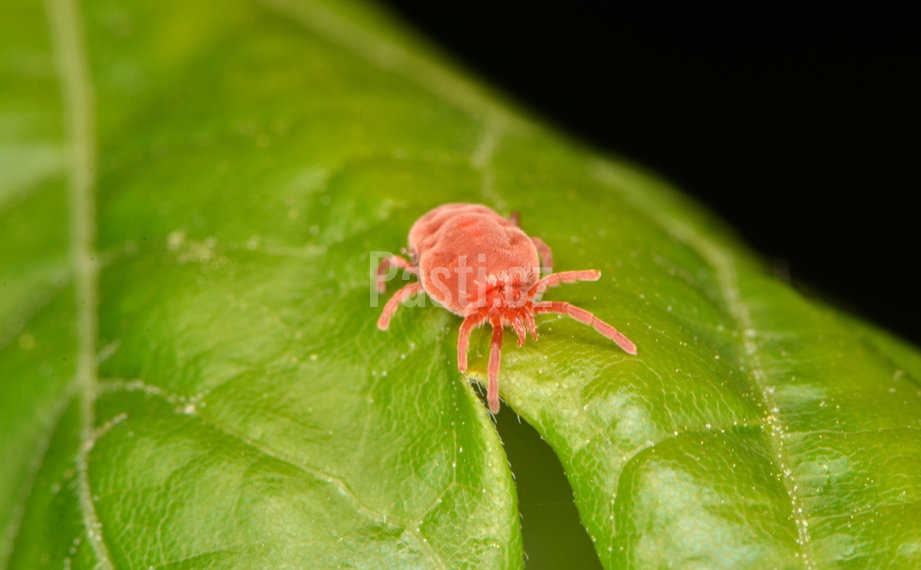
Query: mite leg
point(532, 326)
point(546, 255)
point(521, 330)
point(563, 277)
point(586, 317)
point(386, 264)
point(495, 357)
point(463, 338)
point(391, 307)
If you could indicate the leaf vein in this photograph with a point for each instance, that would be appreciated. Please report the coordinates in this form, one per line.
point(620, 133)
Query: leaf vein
point(389, 56)
point(724, 267)
point(79, 115)
point(481, 160)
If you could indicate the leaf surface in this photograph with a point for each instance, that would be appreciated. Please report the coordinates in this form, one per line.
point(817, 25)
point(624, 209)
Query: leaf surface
point(191, 195)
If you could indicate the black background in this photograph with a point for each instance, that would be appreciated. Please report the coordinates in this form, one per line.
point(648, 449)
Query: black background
point(797, 125)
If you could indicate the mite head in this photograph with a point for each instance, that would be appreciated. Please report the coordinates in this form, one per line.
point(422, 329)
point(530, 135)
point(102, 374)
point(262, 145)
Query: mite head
point(507, 290)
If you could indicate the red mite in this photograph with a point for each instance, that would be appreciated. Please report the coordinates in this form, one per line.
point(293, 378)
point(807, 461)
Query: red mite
point(483, 267)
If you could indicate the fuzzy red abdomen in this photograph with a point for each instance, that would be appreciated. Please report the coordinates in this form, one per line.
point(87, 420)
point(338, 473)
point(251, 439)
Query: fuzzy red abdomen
point(423, 233)
point(466, 251)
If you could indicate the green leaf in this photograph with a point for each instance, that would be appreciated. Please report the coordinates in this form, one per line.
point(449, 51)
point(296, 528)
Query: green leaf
point(190, 197)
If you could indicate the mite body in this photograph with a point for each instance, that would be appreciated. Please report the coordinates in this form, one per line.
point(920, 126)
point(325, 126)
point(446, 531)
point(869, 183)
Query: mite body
point(484, 268)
